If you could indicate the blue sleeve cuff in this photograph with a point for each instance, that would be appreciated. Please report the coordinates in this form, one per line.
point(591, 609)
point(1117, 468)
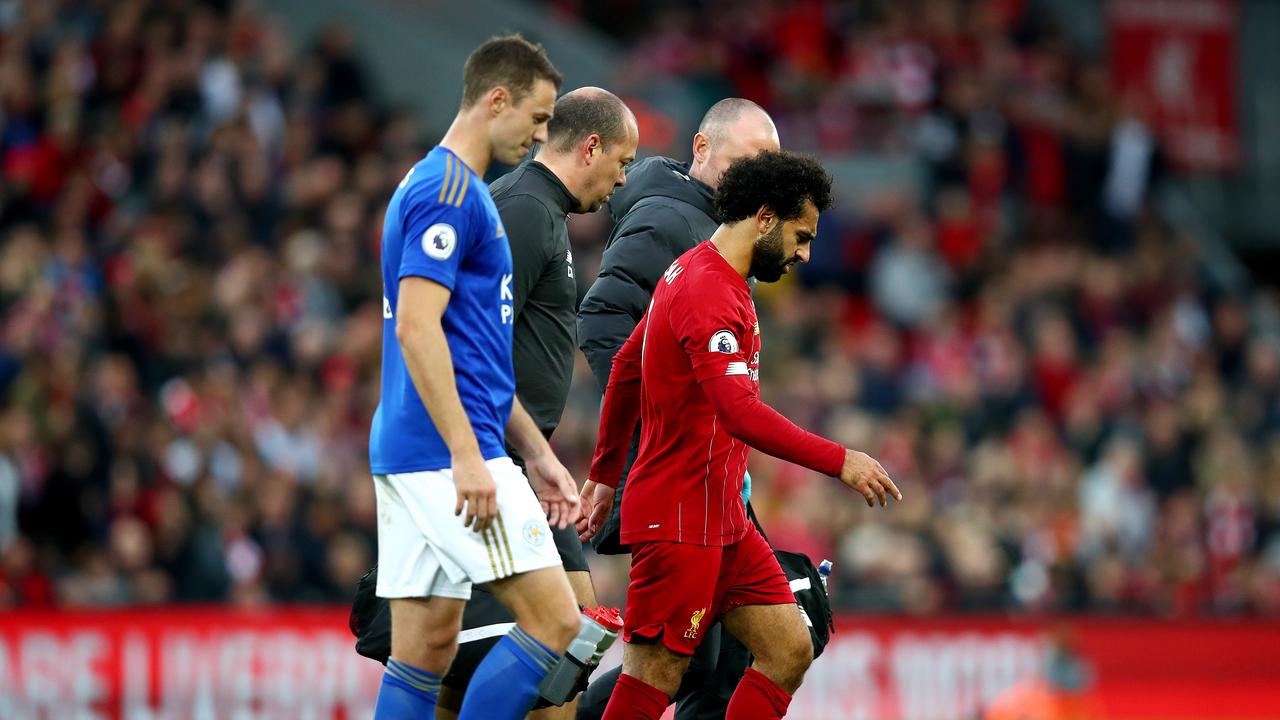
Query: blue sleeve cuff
point(746, 487)
point(436, 273)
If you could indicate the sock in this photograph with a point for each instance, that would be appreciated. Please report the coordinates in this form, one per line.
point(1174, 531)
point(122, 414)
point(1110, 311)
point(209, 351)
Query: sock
point(407, 693)
point(505, 684)
point(595, 699)
point(757, 698)
point(635, 699)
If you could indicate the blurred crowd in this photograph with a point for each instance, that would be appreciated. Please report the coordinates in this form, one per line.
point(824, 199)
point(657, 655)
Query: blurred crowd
point(1080, 418)
point(191, 211)
point(190, 214)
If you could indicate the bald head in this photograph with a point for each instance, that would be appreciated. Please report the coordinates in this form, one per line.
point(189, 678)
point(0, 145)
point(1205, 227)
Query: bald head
point(588, 111)
point(591, 139)
point(724, 114)
point(733, 128)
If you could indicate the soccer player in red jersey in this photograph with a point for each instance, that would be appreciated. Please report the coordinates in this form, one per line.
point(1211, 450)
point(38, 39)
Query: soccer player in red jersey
point(690, 371)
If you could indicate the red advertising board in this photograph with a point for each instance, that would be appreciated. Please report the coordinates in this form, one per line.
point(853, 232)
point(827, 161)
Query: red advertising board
point(183, 664)
point(1178, 57)
point(953, 668)
point(180, 663)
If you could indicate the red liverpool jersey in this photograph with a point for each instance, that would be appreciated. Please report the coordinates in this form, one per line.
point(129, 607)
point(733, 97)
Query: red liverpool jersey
point(686, 483)
point(690, 372)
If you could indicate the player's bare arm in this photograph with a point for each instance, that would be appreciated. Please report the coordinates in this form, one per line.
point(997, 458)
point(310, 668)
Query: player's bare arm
point(551, 482)
point(419, 311)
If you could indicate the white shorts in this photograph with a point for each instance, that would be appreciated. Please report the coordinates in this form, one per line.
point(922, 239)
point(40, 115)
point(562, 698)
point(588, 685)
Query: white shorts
point(424, 549)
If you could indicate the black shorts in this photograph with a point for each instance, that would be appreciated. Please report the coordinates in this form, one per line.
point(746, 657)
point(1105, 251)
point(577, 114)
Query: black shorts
point(570, 549)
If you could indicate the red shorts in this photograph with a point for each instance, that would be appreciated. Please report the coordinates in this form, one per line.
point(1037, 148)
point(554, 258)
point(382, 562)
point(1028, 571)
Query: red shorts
point(679, 590)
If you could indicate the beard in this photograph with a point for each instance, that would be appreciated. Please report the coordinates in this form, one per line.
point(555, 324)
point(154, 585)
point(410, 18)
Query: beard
point(768, 262)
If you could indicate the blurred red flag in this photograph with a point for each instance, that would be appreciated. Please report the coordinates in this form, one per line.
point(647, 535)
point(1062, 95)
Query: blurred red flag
point(1174, 63)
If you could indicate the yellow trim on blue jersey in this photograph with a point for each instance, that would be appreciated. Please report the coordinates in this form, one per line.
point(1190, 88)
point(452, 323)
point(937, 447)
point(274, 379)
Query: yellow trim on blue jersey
point(466, 183)
point(457, 179)
point(448, 172)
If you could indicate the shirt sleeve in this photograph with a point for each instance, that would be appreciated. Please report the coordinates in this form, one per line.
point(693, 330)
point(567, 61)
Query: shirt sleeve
point(715, 336)
point(437, 233)
point(712, 331)
point(530, 233)
point(620, 412)
point(745, 416)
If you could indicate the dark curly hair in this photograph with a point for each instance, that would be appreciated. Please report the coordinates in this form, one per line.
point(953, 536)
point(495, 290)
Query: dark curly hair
point(780, 179)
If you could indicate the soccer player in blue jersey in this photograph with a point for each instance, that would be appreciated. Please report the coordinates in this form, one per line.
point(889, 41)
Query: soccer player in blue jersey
point(453, 509)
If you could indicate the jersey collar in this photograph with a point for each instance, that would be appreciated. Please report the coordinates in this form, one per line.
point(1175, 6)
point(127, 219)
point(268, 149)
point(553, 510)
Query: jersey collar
point(558, 193)
point(724, 263)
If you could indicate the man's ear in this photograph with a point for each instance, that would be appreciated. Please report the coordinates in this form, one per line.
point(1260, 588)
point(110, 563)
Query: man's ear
point(766, 219)
point(591, 147)
point(701, 148)
point(499, 99)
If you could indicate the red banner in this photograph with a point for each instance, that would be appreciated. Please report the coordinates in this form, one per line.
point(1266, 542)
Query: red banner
point(177, 663)
point(1178, 58)
point(955, 668)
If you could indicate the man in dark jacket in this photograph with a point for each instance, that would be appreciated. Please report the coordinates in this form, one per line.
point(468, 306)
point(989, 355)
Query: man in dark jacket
point(665, 209)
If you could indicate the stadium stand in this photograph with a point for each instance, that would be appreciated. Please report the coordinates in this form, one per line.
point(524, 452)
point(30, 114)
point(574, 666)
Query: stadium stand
point(1082, 417)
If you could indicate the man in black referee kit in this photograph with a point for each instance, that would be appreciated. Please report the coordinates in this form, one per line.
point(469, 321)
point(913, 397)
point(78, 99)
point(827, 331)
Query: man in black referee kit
point(591, 139)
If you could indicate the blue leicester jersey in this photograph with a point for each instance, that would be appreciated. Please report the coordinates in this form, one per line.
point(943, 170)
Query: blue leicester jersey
point(442, 225)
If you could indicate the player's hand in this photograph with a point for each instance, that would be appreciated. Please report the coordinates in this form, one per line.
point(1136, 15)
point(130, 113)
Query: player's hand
point(862, 473)
point(555, 489)
point(597, 501)
point(476, 492)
